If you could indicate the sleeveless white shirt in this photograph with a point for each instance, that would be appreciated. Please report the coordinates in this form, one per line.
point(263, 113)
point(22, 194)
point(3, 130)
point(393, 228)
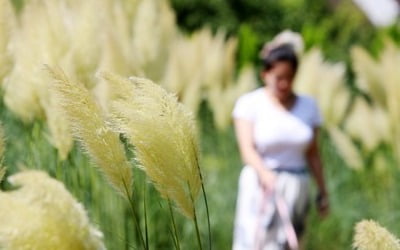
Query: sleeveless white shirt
point(280, 136)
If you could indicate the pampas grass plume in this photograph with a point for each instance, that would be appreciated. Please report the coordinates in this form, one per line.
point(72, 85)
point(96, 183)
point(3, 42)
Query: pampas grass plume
point(369, 235)
point(221, 99)
point(368, 75)
point(154, 31)
point(7, 24)
point(325, 82)
point(42, 214)
point(88, 125)
point(346, 148)
point(379, 79)
point(164, 135)
point(362, 113)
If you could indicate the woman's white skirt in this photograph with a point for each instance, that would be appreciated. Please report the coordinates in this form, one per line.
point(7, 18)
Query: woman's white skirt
point(258, 225)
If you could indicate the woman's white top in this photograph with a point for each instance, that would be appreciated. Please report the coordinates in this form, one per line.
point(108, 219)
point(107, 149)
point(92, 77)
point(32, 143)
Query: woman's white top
point(280, 136)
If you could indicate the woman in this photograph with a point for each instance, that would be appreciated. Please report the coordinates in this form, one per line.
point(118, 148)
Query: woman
point(277, 133)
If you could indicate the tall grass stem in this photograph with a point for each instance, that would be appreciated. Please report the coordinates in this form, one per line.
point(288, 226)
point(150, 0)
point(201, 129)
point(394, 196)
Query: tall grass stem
point(196, 224)
point(175, 231)
point(146, 231)
point(135, 218)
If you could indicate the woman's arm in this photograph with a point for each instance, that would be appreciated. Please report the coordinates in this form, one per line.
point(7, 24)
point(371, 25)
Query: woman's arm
point(314, 161)
point(244, 135)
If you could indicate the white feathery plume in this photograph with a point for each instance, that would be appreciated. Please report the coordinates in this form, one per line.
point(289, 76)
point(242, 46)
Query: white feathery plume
point(369, 235)
point(42, 214)
point(346, 148)
point(222, 99)
point(154, 31)
point(164, 136)
point(88, 125)
point(7, 27)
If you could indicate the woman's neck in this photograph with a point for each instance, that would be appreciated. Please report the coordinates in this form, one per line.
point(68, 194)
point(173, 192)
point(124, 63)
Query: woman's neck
point(286, 103)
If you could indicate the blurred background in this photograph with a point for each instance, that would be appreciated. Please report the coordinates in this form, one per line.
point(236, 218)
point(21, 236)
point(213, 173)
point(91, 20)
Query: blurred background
point(207, 52)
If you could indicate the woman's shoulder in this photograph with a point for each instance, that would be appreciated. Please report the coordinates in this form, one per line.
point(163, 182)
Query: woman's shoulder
point(252, 96)
point(306, 100)
point(246, 104)
point(308, 108)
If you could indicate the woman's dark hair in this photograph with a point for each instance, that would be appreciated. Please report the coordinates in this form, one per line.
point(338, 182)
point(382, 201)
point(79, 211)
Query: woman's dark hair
point(283, 53)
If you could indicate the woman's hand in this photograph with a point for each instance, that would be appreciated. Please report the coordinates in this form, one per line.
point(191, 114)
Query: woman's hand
point(322, 204)
point(267, 179)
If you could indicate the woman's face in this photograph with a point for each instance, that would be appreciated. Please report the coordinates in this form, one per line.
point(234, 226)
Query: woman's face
point(279, 80)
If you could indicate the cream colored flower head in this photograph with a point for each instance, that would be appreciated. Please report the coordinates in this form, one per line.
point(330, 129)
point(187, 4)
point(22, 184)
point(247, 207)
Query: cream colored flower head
point(89, 127)
point(369, 235)
point(42, 214)
point(164, 135)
